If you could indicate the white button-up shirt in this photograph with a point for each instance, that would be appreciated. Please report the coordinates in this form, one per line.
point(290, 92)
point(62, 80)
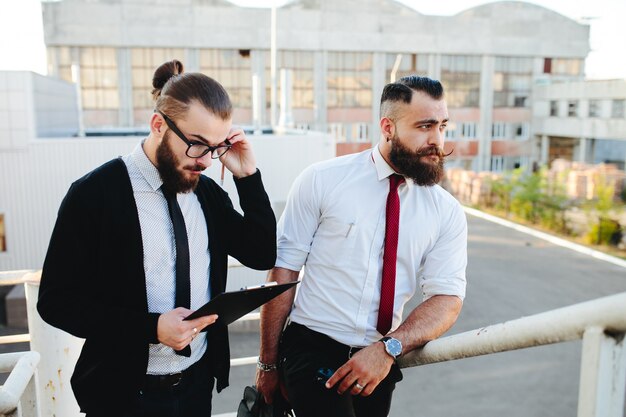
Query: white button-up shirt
point(334, 225)
point(159, 251)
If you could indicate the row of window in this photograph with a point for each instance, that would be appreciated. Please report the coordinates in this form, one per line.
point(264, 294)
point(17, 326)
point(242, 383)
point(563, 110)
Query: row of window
point(349, 80)
point(499, 130)
point(594, 108)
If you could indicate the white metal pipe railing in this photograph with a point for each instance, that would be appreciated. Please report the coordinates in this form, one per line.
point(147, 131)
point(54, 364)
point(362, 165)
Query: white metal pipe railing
point(601, 323)
point(19, 388)
point(561, 325)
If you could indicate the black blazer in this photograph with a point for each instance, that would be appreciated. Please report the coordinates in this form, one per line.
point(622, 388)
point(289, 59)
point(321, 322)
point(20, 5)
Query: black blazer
point(93, 283)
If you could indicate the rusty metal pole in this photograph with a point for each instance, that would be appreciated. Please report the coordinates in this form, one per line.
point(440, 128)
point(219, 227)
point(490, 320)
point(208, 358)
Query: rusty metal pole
point(59, 352)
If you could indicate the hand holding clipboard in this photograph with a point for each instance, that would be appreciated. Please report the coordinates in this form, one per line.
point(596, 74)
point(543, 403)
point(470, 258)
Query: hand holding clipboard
point(230, 306)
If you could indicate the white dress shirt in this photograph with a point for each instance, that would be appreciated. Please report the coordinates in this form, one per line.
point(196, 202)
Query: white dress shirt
point(159, 251)
point(334, 226)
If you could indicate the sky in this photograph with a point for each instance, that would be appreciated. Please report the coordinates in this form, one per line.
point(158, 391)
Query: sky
point(22, 48)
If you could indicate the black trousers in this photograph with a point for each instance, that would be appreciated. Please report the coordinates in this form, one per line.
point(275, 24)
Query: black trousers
point(305, 356)
point(165, 397)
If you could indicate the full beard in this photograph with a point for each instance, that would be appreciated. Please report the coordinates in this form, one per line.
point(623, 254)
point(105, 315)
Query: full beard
point(173, 178)
point(409, 163)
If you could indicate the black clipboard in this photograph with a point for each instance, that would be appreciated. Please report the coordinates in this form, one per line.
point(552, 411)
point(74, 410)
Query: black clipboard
point(229, 306)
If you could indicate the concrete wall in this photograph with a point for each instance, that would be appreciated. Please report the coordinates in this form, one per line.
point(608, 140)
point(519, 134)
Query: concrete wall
point(32, 105)
point(17, 118)
point(374, 25)
point(56, 107)
point(581, 126)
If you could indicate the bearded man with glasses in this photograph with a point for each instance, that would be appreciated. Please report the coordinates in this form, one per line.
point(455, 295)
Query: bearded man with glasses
point(142, 241)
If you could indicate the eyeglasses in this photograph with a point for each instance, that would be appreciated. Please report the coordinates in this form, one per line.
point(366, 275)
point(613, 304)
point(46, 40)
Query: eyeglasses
point(198, 149)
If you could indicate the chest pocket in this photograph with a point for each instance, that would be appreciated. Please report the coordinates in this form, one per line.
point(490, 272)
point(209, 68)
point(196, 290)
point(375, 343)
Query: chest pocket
point(335, 241)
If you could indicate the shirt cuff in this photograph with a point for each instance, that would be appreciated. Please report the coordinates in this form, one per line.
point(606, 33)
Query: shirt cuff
point(291, 258)
point(443, 286)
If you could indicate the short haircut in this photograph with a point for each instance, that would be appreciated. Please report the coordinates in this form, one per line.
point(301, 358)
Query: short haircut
point(402, 91)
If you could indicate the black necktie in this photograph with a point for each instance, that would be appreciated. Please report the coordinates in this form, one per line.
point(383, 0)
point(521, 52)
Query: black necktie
point(183, 284)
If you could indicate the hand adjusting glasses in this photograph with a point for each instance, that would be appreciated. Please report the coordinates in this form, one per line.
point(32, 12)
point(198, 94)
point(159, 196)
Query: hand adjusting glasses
point(198, 149)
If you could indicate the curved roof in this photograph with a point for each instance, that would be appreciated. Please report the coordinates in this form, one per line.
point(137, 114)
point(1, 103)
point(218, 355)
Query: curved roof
point(504, 8)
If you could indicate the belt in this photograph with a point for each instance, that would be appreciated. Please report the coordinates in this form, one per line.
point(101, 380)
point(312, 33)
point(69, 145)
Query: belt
point(321, 340)
point(169, 381)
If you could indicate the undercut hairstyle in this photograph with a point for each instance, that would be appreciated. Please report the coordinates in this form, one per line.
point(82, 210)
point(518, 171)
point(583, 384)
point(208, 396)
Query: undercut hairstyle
point(174, 91)
point(402, 91)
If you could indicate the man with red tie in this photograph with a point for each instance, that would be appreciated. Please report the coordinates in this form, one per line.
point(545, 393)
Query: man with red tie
point(369, 228)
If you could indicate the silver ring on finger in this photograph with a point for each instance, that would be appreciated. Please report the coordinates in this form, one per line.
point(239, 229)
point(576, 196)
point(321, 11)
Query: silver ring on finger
point(359, 386)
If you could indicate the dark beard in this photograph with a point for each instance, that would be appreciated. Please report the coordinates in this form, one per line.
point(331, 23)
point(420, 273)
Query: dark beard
point(173, 179)
point(409, 163)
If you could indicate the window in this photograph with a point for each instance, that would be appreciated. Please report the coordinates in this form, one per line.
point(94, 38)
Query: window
point(512, 81)
point(572, 108)
point(450, 132)
point(338, 131)
point(60, 60)
point(301, 65)
point(349, 80)
point(3, 240)
point(98, 78)
point(554, 108)
point(498, 130)
point(521, 131)
point(617, 109)
point(547, 65)
point(406, 64)
point(563, 66)
point(460, 76)
point(468, 130)
point(349, 132)
point(519, 101)
point(233, 69)
point(594, 108)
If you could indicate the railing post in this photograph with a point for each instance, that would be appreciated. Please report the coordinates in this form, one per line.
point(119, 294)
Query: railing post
point(59, 352)
point(28, 404)
point(602, 374)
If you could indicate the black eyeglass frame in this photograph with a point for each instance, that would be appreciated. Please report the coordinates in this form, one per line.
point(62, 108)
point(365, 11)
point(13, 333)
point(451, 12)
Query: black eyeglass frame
point(190, 144)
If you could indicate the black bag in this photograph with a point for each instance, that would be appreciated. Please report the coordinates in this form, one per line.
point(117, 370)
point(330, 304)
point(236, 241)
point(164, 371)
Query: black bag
point(253, 405)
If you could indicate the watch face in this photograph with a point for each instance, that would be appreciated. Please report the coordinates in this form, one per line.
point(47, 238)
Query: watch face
point(394, 347)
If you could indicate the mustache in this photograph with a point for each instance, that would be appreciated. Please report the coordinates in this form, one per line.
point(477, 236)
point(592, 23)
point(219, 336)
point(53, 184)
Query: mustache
point(433, 150)
point(195, 167)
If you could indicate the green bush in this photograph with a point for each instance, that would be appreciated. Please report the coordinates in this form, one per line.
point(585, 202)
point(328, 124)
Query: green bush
point(602, 232)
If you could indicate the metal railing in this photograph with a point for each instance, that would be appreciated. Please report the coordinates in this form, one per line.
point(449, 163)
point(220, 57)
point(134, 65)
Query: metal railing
point(600, 323)
point(18, 395)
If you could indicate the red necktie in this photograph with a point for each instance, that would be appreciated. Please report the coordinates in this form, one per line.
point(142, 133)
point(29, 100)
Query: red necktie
point(388, 286)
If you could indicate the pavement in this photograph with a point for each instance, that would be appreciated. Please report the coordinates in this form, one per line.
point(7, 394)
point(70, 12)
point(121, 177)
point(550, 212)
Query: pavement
point(510, 275)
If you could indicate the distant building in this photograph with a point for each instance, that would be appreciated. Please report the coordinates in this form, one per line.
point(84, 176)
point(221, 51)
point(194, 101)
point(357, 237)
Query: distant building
point(581, 121)
point(340, 54)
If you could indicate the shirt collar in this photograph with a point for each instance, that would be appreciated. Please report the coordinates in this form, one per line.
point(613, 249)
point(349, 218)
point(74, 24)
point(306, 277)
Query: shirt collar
point(383, 170)
point(146, 167)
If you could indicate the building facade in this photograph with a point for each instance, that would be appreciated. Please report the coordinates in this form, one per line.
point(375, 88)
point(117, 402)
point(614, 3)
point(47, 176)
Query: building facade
point(339, 54)
point(581, 121)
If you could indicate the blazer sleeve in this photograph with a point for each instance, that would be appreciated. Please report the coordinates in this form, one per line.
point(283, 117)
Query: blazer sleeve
point(69, 298)
point(251, 238)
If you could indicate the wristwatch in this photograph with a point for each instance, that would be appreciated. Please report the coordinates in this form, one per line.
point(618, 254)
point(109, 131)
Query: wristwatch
point(393, 346)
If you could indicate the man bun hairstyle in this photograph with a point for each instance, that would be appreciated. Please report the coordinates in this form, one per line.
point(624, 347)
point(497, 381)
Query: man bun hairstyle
point(402, 91)
point(174, 90)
